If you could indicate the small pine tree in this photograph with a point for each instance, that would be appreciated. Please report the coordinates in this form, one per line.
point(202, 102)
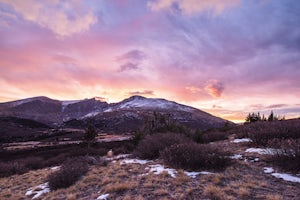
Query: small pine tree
point(253, 117)
point(271, 116)
point(90, 136)
point(248, 118)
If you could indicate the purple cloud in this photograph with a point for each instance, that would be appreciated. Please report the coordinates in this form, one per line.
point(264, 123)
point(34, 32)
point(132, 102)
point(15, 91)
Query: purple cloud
point(135, 55)
point(131, 60)
point(145, 92)
point(277, 106)
point(128, 66)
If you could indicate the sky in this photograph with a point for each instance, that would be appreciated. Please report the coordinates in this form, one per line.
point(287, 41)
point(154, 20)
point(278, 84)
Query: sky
point(226, 57)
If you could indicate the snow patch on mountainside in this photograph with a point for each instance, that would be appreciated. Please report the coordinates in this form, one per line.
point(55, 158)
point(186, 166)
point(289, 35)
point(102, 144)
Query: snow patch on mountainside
point(153, 103)
point(91, 114)
point(23, 101)
point(66, 103)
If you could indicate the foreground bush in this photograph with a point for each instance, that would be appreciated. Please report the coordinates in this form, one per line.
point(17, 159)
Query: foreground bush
point(288, 154)
point(194, 157)
point(151, 145)
point(70, 172)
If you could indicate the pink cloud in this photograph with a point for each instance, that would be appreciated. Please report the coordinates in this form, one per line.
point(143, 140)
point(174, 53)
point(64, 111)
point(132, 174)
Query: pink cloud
point(54, 15)
point(214, 88)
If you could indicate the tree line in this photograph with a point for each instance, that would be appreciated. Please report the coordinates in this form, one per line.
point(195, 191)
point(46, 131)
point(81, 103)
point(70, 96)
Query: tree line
point(256, 117)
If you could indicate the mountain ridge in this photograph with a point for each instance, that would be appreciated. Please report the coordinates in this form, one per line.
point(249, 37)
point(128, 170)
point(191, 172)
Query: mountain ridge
point(130, 112)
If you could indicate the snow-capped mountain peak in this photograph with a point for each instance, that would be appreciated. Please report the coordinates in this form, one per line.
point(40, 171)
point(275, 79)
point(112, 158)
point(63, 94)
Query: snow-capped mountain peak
point(153, 103)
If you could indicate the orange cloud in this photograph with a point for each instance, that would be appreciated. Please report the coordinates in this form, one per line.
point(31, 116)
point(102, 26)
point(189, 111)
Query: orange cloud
point(214, 88)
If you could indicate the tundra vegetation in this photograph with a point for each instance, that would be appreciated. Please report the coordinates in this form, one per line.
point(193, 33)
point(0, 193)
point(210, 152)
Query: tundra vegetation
point(83, 171)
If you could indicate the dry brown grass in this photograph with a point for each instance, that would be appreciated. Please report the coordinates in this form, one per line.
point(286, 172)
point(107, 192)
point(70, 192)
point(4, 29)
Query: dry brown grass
point(181, 178)
point(263, 184)
point(274, 197)
point(161, 192)
point(243, 193)
point(71, 197)
point(214, 192)
point(120, 187)
point(218, 179)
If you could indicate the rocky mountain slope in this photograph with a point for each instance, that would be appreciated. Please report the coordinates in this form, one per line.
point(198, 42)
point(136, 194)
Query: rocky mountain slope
point(125, 116)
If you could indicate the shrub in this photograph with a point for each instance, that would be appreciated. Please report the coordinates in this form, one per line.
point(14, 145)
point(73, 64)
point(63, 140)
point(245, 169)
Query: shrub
point(20, 166)
point(33, 162)
point(288, 155)
point(151, 145)
point(70, 171)
point(137, 137)
point(211, 137)
point(262, 132)
point(11, 168)
point(194, 157)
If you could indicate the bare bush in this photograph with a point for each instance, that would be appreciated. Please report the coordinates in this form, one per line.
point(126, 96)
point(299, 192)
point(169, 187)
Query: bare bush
point(70, 172)
point(288, 154)
point(20, 166)
point(194, 156)
point(211, 137)
point(151, 145)
point(11, 168)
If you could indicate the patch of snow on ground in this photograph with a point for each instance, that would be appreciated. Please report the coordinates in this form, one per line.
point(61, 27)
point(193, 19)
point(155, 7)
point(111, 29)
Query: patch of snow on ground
point(267, 151)
point(121, 156)
point(158, 169)
point(133, 161)
point(118, 157)
point(55, 168)
point(268, 170)
point(242, 140)
point(287, 177)
point(103, 197)
point(251, 159)
point(120, 138)
point(236, 156)
point(194, 174)
point(38, 190)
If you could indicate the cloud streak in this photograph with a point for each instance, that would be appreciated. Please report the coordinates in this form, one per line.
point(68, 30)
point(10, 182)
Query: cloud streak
point(144, 92)
point(191, 7)
point(55, 15)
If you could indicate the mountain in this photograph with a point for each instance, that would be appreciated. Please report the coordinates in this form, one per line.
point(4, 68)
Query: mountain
point(125, 116)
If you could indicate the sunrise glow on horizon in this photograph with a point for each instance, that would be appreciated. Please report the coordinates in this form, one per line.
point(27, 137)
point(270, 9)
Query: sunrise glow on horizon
point(226, 57)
